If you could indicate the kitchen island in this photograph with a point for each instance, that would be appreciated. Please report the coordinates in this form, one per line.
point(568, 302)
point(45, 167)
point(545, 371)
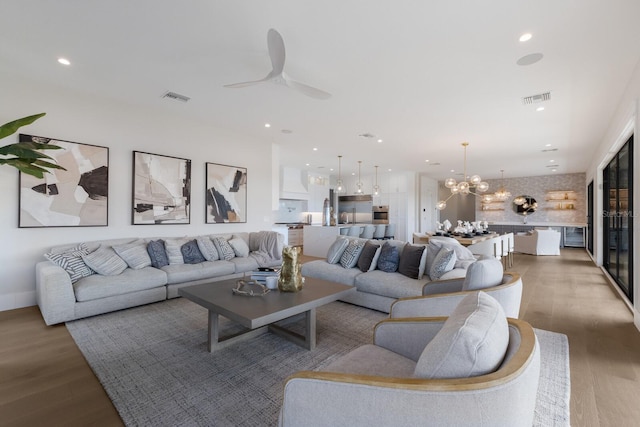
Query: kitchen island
point(318, 238)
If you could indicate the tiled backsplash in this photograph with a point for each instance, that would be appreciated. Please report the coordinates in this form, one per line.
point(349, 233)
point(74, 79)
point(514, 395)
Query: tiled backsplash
point(537, 187)
point(292, 211)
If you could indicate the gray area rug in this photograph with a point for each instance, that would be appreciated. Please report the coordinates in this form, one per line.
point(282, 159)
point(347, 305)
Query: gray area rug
point(153, 363)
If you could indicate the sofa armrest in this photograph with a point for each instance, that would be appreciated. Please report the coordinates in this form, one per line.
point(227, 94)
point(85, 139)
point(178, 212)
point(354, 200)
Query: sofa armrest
point(442, 286)
point(407, 336)
point(54, 293)
point(430, 305)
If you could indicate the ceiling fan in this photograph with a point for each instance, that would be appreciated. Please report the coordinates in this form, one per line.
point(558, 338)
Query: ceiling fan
point(277, 75)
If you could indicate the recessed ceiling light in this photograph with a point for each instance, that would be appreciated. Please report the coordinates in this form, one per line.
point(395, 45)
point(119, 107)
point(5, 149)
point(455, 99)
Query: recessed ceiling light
point(525, 37)
point(353, 174)
point(308, 164)
point(331, 169)
point(64, 61)
point(554, 170)
point(388, 170)
point(267, 125)
point(315, 149)
point(547, 145)
point(427, 161)
point(453, 170)
point(540, 109)
point(551, 161)
point(379, 140)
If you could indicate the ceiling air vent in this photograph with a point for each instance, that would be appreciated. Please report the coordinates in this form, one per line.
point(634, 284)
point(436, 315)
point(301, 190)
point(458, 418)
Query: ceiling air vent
point(534, 99)
point(367, 135)
point(547, 150)
point(176, 96)
point(552, 166)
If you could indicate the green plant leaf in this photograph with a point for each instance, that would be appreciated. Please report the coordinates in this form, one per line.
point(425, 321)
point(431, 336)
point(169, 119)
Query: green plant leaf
point(25, 167)
point(48, 165)
point(11, 127)
point(39, 146)
point(20, 150)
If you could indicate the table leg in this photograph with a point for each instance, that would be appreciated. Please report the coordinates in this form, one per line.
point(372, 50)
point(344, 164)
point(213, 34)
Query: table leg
point(212, 336)
point(307, 341)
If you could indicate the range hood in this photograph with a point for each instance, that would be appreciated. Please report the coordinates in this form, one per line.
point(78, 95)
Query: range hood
point(291, 184)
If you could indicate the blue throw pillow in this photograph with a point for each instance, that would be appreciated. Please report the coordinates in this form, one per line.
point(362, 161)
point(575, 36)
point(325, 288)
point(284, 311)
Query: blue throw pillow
point(157, 253)
point(191, 253)
point(389, 258)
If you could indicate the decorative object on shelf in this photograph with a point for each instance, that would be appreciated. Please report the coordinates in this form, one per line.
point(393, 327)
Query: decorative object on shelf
point(25, 155)
point(339, 184)
point(502, 194)
point(561, 199)
point(376, 187)
point(161, 189)
point(226, 198)
point(73, 195)
point(290, 279)
point(359, 183)
point(246, 288)
point(464, 187)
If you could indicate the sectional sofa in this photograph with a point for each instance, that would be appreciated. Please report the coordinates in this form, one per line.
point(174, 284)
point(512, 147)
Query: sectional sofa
point(378, 289)
point(96, 277)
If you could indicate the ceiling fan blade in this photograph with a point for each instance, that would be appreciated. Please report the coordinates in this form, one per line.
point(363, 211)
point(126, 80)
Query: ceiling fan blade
point(306, 89)
point(276, 50)
point(245, 84)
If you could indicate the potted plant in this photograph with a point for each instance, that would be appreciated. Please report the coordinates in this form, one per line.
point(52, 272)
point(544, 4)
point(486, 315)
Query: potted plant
point(26, 156)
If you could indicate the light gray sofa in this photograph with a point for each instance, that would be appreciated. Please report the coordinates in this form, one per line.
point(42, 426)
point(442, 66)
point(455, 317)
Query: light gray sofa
point(378, 289)
point(60, 300)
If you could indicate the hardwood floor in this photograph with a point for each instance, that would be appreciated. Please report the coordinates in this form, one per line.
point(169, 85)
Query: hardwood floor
point(44, 379)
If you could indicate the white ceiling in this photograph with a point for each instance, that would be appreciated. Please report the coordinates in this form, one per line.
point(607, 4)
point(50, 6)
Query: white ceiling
point(421, 75)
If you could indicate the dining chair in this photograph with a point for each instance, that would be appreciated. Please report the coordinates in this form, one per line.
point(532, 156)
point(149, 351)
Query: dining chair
point(490, 248)
point(504, 250)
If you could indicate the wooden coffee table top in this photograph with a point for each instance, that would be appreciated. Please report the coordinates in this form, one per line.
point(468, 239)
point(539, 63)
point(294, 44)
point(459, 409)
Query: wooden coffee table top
point(254, 312)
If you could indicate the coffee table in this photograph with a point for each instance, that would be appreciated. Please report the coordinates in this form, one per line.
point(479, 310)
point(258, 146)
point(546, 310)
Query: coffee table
point(259, 313)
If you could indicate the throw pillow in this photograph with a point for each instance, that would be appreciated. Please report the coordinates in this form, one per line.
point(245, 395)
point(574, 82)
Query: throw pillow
point(350, 256)
point(444, 261)
point(207, 248)
point(463, 254)
point(473, 341)
point(225, 251)
point(134, 254)
point(191, 254)
point(173, 247)
point(409, 264)
point(71, 261)
point(482, 274)
point(337, 249)
point(423, 264)
point(105, 261)
point(389, 258)
point(240, 247)
point(157, 253)
point(369, 257)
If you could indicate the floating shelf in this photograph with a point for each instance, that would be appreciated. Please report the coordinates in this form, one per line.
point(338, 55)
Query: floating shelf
point(561, 200)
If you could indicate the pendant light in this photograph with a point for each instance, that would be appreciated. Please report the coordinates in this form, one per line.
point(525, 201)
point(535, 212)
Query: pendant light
point(339, 185)
point(359, 183)
point(463, 187)
point(376, 187)
point(502, 194)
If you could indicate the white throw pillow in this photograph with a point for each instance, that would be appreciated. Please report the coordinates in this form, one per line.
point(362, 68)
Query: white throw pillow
point(207, 248)
point(105, 261)
point(336, 250)
point(173, 247)
point(225, 251)
point(134, 254)
point(240, 247)
point(444, 261)
point(483, 274)
point(350, 256)
point(473, 341)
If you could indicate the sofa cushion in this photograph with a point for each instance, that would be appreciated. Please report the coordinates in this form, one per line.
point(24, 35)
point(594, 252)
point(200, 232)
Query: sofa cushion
point(243, 265)
point(191, 253)
point(174, 250)
point(71, 261)
point(207, 248)
point(370, 359)
point(369, 257)
point(225, 251)
point(130, 280)
point(350, 256)
point(105, 261)
point(321, 269)
point(483, 274)
point(157, 253)
point(409, 264)
point(240, 247)
point(442, 263)
point(472, 341)
point(389, 258)
point(336, 250)
point(392, 285)
point(464, 257)
point(134, 254)
point(181, 273)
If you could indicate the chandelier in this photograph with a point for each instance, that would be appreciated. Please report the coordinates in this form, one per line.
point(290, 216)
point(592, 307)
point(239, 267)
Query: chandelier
point(502, 194)
point(339, 185)
point(474, 185)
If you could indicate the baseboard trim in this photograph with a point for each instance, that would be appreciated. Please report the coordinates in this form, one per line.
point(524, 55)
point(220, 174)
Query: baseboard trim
point(17, 300)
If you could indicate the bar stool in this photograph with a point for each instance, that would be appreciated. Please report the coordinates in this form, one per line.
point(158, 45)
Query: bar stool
point(368, 231)
point(380, 231)
point(390, 232)
point(354, 231)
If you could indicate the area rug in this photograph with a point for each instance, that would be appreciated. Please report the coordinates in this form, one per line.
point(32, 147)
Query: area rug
point(153, 363)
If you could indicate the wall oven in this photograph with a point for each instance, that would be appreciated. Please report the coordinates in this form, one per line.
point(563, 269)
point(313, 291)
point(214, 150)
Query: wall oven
point(380, 214)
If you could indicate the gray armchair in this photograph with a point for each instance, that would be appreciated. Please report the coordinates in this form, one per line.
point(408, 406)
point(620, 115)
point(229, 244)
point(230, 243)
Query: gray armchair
point(382, 383)
point(441, 297)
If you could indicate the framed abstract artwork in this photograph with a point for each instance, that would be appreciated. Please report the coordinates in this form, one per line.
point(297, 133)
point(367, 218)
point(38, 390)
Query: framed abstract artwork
point(226, 198)
point(161, 189)
point(75, 197)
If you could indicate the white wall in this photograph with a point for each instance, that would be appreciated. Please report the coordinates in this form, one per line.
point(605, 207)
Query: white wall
point(122, 128)
point(624, 122)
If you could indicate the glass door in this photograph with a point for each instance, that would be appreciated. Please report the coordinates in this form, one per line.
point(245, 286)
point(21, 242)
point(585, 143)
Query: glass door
point(590, 217)
point(618, 225)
